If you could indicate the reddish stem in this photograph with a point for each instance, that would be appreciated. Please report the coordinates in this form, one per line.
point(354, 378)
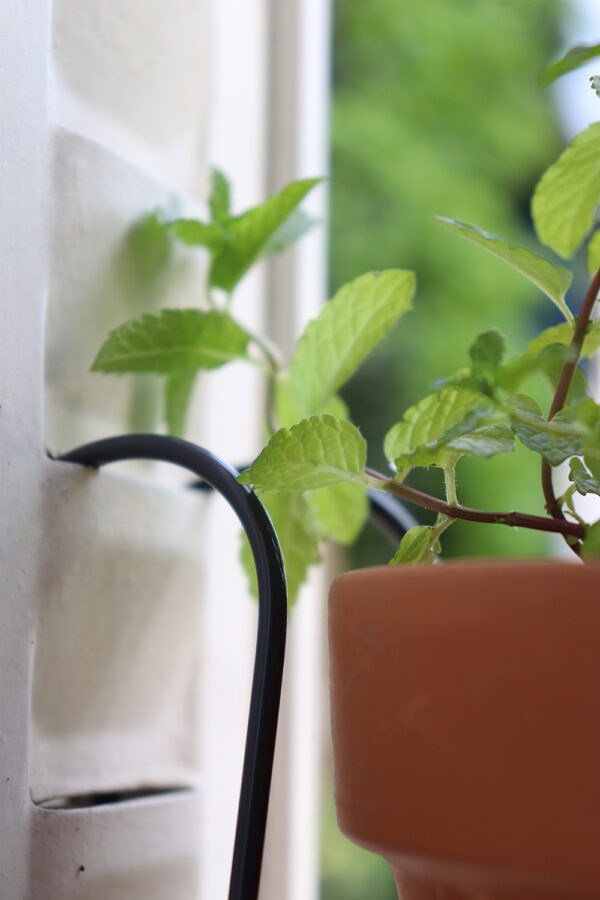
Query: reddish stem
point(514, 519)
point(563, 386)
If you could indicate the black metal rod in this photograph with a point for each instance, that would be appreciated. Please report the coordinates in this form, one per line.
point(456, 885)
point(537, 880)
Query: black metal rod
point(386, 512)
point(271, 632)
point(389, 515)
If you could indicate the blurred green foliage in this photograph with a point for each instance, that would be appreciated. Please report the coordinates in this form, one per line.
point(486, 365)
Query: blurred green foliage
point(439, 109)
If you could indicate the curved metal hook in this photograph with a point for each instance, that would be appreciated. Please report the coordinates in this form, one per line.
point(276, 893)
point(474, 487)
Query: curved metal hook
point(271, 633)
point(389, 515)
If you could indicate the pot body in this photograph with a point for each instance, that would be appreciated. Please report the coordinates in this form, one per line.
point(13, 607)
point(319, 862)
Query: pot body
point(465, 707)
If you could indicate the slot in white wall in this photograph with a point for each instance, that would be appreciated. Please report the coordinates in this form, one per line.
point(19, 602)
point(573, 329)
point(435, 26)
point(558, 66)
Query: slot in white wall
point(128, 636)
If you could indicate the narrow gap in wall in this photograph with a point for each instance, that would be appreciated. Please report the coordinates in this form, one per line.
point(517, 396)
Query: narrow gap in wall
point(106, 798)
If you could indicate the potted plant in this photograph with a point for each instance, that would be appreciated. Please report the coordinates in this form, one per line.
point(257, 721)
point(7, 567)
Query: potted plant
point(465, 716)
point(464, 702)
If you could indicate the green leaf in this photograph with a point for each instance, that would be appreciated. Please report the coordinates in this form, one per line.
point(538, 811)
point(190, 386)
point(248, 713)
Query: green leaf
point(557, 334)
point(428, 421)
point(573, 59)
point(463, 439)
point(513, 373)
point(592, 451)
point(593, 253)
point(315, 453)
point(553, 280)
point(486, 441)
point(145, 251)
point(591, 542)
point(198, 234)
point(295, 226)
point(556, 440)
point(418, 545)
point(551, 361)
point(249, 233)
point(585, 413)
point(562, 334)
point(298, 536)
point(344, 333)
point(337, 407)
point(566, 197)
point(486, 352)
point(595, 82)
point(178, 390)
point(219, 197)
point(542, 355)
point(287, 412)
point(172, 340)
point(421, 458)
point(341, 510)
point(581, 478)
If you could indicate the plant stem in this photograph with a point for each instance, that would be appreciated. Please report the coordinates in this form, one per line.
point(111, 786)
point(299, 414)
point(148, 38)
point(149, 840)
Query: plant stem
point(579, 332)
point(440, 526)
point(450, 482)
point(562, 391)
point(273, 360)
point(514, 519)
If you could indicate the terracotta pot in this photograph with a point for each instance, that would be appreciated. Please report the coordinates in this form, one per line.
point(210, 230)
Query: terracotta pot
point(465, 709)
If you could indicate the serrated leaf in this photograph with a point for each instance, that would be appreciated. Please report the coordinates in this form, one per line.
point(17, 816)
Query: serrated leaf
point(295, 226)
point(197, 234)
point(315, 453)
point(172, 340)
point(417, 546)
point(485, 442)
point(556, 440)
point(428, 421)
point(344, 333)
point(422, 458)
point(298, 537)
point(462, 439)
point(593, 253)
point(219, 200)
point(541, 355)
point(562, 334)
point(341, 510)
point(591, 542)
point(549, 360)
point(249, 233)
point(474, 419)
point(178, 390)
point(566, 197)
point(582, 479)
point(574, 58)
point(554, 281)
point(486, 352)
point(557, 334)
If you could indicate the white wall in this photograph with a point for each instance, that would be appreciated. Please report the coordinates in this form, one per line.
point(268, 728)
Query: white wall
point(125, 655)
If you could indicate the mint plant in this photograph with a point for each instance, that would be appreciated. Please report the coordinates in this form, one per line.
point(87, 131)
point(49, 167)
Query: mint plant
point(178, 344)
point(483, 409)
point(312, 474)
